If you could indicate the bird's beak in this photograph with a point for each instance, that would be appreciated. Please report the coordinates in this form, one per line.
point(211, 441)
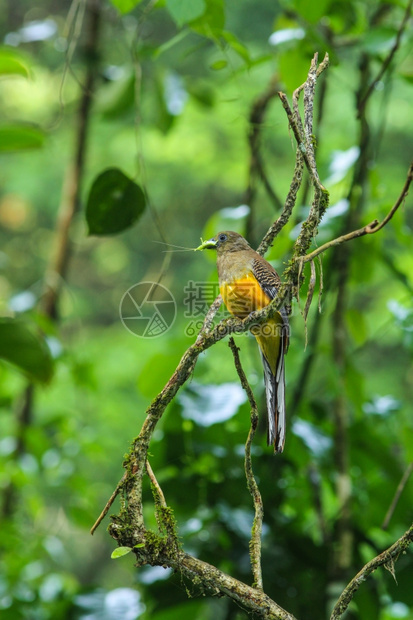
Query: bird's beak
point(211, 244)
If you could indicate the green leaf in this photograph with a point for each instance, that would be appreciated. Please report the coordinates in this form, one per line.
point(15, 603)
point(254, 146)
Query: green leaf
point(212, 22)
point(116, 98)
point(237, 46)
point(12, 63)
point(293, 67)
point(357, 326)
point(25, 349)
point(311, 11)
point(124, 6)
point(218, 65)
point(165, 47)
point(114, 204)
point(184, 11)
point(139, 546)
point(162, 119)
point(120, 551)
point(379, 40)
point(202, 92)
point(405, 68)
point(18, 137)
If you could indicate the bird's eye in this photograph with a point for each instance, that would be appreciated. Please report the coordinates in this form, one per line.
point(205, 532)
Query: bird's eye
point(222, 237)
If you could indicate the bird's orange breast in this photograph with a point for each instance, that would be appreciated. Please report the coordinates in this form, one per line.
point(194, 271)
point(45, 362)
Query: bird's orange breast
point(243, 296)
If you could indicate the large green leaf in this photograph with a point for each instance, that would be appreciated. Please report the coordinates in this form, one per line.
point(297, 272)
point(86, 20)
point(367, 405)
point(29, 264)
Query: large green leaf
point(114, 204)
point(12, 63)
point(20, 137)
point(184, 11)
point(25, 349)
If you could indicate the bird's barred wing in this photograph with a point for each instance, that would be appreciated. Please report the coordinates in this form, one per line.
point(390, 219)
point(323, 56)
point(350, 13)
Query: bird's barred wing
point(266, 276)
point(270, 282)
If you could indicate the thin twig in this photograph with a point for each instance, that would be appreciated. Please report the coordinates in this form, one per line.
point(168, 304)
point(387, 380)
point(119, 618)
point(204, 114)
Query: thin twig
point(71, 31)
point(369, 229)
point(321, 286)
point(309, 93)
point(303, 135)
point(255, 542)
point(315, 481)
point(310, 293)
point(289, 204)
point(389, 556)
point(256, 166)
point(388, 58)
point(305, 152)
point(108, 504)
point(70, 201)
point(303, 132)
point(397, 495)
point(156, 485)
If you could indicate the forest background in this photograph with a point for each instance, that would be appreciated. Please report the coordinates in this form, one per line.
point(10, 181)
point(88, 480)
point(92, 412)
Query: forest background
point(180, 98)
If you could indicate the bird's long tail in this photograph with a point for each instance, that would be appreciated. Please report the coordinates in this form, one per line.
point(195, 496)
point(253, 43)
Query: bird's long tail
point(272, 341)
point(275, 396)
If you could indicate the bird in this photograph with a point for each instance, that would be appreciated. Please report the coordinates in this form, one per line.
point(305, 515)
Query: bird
point(247, 282)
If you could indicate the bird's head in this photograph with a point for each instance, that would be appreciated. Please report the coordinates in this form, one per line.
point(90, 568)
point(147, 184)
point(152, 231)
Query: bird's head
point(226, 241)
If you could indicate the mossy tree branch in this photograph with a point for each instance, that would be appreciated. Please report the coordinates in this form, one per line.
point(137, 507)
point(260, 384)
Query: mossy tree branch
point(255, 542)
point(369, 229)
point(128, 527)
point(386, 559)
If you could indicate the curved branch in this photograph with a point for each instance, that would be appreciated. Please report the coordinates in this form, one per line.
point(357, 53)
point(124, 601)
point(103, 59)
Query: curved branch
point(305, 153)
point(289, 204)
point(388, 58)
point(387, 558)
point(220, 583)
point(256, 165)
point(397, 495)
point(255, 542)
point(369, 229)
point(108, 505)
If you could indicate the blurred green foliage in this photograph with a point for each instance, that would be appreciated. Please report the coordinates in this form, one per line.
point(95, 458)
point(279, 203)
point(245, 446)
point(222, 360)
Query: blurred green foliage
point(175, 86)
